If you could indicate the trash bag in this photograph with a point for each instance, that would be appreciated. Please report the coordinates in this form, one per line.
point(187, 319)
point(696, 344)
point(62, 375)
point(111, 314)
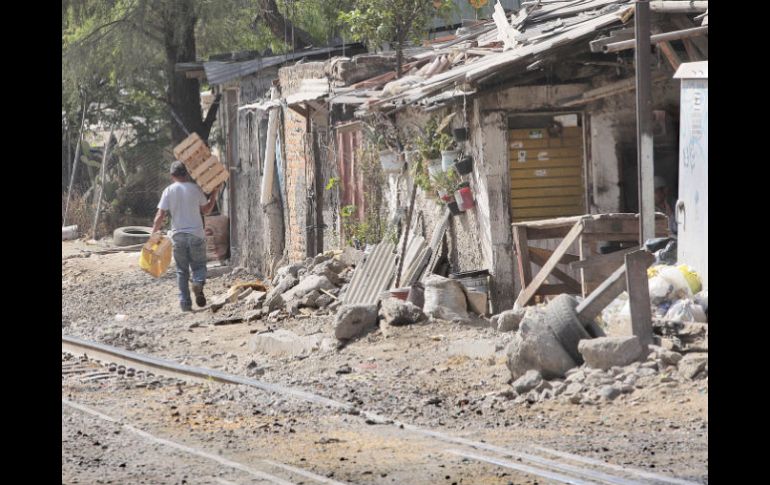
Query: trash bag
point(155, 257)
point(686, 310)
point(656, 244)
point(444, 298)
point(666, 255)
point(660, 290)
point(684, 280)
point(702, 299)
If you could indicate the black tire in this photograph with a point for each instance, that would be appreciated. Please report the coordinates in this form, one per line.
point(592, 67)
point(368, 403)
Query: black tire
point(131, 235)
point(563, 321)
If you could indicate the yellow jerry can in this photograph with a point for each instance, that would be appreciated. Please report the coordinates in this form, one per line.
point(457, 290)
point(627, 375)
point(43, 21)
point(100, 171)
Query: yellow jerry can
point(155, 257)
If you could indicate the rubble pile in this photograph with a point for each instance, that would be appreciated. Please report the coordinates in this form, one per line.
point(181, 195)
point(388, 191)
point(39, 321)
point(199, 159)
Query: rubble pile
point(314, 284)
point(590, 385)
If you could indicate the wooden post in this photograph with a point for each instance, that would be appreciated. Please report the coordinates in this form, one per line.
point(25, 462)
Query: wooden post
point(406, 235)
point(101, 182)
point(522, 255)
point(637, 263)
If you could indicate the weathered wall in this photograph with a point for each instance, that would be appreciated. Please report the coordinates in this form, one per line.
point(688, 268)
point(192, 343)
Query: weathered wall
point(298, 152)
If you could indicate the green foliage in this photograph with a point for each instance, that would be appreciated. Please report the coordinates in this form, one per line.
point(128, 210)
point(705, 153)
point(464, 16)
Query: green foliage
point(444, 142)
point(446, 181)
point(379, 21)
point(333, 183)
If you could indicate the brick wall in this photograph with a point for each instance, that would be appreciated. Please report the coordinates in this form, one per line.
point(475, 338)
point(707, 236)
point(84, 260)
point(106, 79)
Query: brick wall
point(297, 148)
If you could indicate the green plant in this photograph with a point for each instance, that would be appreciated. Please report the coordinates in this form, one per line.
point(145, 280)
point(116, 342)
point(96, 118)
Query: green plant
point(347, 211)
point(446, 181)
point(333, 183)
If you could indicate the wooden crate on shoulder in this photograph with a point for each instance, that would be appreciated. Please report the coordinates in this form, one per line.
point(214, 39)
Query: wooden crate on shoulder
point(205, 168)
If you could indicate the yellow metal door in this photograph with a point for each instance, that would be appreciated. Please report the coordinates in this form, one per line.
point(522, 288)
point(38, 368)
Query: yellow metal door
point(546, 170)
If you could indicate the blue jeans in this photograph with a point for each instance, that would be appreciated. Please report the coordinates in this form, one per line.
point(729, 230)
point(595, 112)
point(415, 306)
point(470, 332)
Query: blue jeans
point(189, 254)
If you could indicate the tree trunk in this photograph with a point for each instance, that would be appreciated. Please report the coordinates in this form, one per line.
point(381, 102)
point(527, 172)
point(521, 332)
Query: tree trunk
point(183, 93)
point(282, 28)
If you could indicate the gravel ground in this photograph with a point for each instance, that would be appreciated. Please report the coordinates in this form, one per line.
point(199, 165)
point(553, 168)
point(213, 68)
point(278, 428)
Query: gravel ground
point(438, 375)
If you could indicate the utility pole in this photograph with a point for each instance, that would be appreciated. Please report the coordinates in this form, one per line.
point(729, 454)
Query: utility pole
point(644, 142)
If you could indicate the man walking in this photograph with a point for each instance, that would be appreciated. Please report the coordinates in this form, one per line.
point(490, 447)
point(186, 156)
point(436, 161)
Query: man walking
point(185, 201)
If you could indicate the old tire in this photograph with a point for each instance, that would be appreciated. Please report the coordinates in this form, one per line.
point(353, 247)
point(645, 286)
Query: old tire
point(563, 321)
point(131, 235)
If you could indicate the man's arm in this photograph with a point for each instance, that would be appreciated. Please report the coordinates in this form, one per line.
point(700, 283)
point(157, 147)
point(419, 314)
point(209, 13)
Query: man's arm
point(206, 209)
point(160, 218)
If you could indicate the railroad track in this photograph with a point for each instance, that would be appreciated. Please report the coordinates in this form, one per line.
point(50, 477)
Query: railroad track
point(549, 464)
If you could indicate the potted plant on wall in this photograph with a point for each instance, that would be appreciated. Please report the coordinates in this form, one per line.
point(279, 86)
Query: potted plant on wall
point(446, 147)
point(445, 183)
point(386, 143)
point(464, 196)
point(465, 165)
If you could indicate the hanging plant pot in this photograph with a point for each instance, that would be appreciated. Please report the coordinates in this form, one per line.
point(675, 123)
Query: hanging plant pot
point(448, 159)
point(454, 208)
point(460, 134)
point(390, 161)
point(465, 165)
point(464, 198)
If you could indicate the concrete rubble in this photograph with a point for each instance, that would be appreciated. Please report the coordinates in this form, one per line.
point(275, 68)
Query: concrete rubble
point(397, 312)
point(606, 352)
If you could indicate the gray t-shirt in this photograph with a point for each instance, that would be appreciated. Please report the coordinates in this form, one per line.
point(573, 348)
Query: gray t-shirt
point(184, 200)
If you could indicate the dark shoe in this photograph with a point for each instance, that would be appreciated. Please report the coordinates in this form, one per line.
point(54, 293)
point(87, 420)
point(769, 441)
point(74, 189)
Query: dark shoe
point(200, 299)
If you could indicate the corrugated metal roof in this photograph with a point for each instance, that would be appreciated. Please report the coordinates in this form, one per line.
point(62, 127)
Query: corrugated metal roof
point(373, 277)
point(219, 72)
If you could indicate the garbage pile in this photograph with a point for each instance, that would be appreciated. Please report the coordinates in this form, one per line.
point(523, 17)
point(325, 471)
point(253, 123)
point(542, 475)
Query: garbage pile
point(676, 295)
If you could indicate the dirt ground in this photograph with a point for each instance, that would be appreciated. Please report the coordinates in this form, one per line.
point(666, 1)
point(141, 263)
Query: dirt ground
point(437, 375)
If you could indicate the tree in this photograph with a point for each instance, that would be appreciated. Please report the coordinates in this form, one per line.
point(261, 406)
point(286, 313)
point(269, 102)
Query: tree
point(394, 21)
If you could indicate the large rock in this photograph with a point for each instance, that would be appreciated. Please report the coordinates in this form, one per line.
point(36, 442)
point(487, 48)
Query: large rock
point(530, 380)
point(351, 256)
point(445, 299)
point(307, 285)
point(399, 312)
point(283, 343)
point(605, 352)
point(285, 283)
point(694, 365)
point(535, 347)
point(284, 271)
point(355, 320)
point(508, 321)
point(330, 268)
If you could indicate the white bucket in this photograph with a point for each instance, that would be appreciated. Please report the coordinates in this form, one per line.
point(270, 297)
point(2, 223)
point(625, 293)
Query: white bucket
point(69, 232)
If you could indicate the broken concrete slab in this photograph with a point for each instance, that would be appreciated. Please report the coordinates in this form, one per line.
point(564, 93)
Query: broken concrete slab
point(307, 285)
point(284, 284)
point(693, 366)
point(284, 271)
point(355, 320)
point(509, 320)
point(255, 299)
point(605, 352)
point(477, 301)
point(398, 312)
point(474, 349)
point(530, 380)
point(283, 343)
point(535, 347)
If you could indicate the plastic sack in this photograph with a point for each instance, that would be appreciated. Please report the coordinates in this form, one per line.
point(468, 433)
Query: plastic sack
point(155, 257)
point(686, 311)
point(673, 275)
point(702, 299)
point(693, 280)
point(660, 290)
point(444, 298)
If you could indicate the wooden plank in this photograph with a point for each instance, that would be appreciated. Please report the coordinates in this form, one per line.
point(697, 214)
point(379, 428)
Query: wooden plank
point(692, 51)
point(530, 291)
point(597, 300)
point(521, 243)
point(543, 133)
point(572, 201)
point(571, 285)
point(198, 171)
point(671, 55)
point(622, 237)
point(628, 225)
point(547, 212)
point(547, 192)
point(532, 183)
point(637, 263)
point(194, 150)
point(517, 173)
point(616, 258)
point(518, 163)
point(547, 253)
point(216, 181)
point(209, 174)
point(186, 143)
point(568, 142)
point(518, 154)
